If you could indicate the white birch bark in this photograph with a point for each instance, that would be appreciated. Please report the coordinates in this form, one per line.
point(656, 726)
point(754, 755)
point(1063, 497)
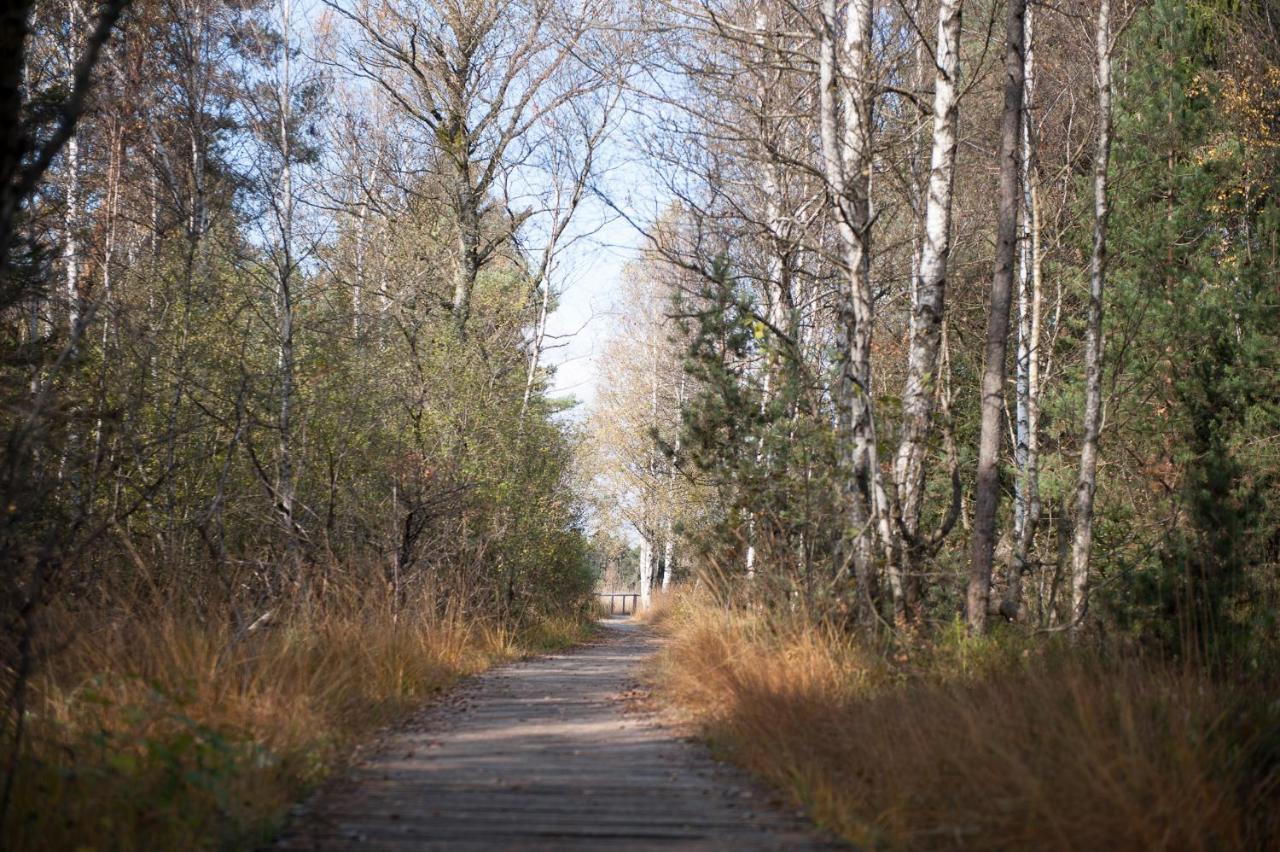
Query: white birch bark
point(646, 570)
point(71, 248)
point(1086, 484)
point(71, 244)
point(539, 342)
point(668, 554)
point(362, 244)
point(285, 262)
point(928, 303)
point(774, 285)
point(1027, 444)
point(846, 94)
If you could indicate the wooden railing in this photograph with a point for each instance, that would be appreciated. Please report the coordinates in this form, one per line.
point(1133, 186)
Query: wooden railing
point(635, 601)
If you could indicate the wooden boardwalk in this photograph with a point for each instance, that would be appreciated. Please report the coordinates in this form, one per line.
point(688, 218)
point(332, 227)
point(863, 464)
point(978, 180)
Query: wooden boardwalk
point(547, 754)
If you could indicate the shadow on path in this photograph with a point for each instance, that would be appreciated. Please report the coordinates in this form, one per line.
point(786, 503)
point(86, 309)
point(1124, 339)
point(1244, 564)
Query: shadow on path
point(546, 754)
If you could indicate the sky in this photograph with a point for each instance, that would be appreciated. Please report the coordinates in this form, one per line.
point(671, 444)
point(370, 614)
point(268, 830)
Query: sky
point(590, 278)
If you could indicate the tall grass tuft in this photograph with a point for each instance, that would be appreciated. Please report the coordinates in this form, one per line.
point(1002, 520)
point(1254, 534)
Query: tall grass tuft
point(172, 731)
point(1031, 747)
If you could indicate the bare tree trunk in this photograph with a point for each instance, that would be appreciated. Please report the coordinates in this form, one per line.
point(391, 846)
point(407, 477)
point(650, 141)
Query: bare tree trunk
point(1027, 450)
point(357, 291)
point(668, 554)
point(773, 281)
point(646, 569)
point(72, 215)
point(987, 491)
point(71, 243)
point(928, 305)
point(468, 211)
point(846, 93)
point(71, 248)
point(1087, 483)
point(285, 485)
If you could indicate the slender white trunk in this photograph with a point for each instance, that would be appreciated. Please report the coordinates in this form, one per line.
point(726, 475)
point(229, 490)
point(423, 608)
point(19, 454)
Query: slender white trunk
point(774, 239)
point(357, 290)
point(1086, 484)
point(646, 570)
point(653, 484)
point(285, 270)
point(846, 94)
point(73, 213)
point(362, 246)
point(108, 258)
point(928, 304)
point(71, 246)
point(668, 554)
point(1026, 451)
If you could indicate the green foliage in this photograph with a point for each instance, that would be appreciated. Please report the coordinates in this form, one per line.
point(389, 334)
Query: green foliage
point(759, 429)
point(147, 756)
point(1195, 327)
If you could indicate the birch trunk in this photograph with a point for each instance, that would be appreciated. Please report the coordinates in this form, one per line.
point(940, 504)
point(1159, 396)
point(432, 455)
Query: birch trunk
point(646, 569)
point(987, 491)
point(468, 211)
point(928, 306)
point(1027, 451)
point(71, 245)
point(668, 555)
point(846, 93)
point(539, 341)
point(285, 485)
point(1086, 485)
point(774, 284)
point(73, 213)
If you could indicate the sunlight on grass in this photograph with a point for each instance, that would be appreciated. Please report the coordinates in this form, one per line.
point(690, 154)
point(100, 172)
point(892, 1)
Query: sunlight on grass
point(989, 746)
point(169, 733)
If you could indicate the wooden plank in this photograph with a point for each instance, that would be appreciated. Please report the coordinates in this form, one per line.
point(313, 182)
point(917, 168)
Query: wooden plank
point(545, 755)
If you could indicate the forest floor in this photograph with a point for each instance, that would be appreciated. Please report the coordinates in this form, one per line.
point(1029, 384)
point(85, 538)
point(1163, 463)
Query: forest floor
point(560, 752)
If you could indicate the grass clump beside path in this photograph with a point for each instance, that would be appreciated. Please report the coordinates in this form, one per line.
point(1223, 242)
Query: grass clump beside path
point(980, 745)
point(169, 732)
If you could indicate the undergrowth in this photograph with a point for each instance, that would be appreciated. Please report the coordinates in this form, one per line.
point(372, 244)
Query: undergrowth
point(171, 732)
point(1003, 743)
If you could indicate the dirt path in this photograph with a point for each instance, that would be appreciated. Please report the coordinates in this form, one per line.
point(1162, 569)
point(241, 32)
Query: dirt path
point(547, 754)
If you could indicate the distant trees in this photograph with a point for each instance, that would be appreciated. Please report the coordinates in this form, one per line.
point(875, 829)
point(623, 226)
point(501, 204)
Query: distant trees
point(485, 86)
point(635, 425)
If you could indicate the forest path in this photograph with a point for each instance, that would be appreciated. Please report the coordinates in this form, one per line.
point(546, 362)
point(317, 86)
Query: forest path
point(548, 754)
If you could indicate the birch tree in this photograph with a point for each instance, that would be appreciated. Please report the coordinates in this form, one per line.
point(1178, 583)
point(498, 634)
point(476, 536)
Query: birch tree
point(571, 165)
point(1087, 482)
point(479, 81)
point(1029, 355)
point(928, 308)
point(283, 117)
point(847, 92)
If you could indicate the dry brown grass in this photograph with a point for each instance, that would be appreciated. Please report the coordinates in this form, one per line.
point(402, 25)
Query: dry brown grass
point(981, 747)
point(662, 604)
point(163, 732)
